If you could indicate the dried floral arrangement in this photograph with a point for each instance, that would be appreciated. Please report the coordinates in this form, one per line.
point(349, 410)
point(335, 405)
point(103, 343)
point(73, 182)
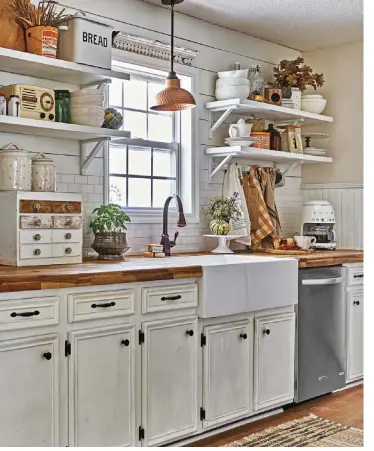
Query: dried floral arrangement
point(28, 15)
point(290, 74)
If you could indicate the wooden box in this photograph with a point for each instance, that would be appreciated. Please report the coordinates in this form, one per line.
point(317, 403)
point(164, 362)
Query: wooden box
point(40, 228)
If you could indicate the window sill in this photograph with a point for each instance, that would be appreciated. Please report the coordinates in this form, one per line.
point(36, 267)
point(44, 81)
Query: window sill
point(139, 217)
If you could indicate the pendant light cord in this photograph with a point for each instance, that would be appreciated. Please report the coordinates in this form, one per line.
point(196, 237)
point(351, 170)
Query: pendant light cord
point(172, 36)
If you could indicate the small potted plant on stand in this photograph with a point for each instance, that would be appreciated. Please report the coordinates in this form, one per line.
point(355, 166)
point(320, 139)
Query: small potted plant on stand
point(292, 78)
point(40, 24)
point(219, 211)
point(108, 225)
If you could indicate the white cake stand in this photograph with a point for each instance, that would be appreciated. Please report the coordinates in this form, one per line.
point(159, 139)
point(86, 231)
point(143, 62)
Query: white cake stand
point(222, 247)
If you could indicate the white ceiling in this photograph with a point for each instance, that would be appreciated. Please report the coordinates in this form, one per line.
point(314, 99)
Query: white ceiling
point(300, 24)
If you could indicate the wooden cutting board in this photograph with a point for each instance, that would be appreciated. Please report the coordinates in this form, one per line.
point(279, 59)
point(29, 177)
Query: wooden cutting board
point(294, 252)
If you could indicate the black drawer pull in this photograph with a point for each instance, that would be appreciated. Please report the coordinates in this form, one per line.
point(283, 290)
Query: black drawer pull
point(125, 342)
point(47, 355)
point(267, 331)
point(25, 314)
point(358, 276)
point(356, 302)
point(171, 298)
point(244, 336)
point(109, 304)
point(190, 333)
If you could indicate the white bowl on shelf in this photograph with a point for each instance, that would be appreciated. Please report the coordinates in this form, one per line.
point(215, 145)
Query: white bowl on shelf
point(231, 81)
point(313, 105)
point(232, 92)
point(312, 96)
point(87, 111)
point(92, 121)
point(88, 100)
point(240, 73)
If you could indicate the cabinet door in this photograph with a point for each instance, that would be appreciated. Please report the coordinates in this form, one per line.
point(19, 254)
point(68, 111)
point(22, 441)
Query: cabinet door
point(102, 387)
point(355, 348)
point(227, 375)
point(29, 392)
point(169, 389)
point(274, 360)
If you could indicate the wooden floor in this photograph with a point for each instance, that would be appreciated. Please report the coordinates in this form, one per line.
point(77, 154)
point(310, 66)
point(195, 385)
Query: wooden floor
point(344, 407)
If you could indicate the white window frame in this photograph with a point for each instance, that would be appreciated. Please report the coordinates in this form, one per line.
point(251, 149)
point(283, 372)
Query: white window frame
point(188, 158)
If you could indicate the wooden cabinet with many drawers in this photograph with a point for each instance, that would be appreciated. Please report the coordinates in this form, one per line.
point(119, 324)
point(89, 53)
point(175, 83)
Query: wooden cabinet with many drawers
point(40, 228)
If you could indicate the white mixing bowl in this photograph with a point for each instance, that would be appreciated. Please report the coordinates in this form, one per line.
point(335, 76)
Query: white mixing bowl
point(232, 81)
point(313, 105)
point(232, 92)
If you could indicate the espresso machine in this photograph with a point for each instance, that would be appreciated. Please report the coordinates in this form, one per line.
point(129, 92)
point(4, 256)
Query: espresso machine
point(318, 220)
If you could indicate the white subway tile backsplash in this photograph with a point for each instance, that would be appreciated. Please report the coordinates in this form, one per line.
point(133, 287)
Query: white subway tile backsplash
point(93, 179)
point(62, 187)
point(73, 188)
point(95, 198)
point(81, 179)
point(87, 189)
point(67, 178)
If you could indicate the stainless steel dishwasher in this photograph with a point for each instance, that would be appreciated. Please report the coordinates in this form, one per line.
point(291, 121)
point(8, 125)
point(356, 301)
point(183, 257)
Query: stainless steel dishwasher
point(321, 339)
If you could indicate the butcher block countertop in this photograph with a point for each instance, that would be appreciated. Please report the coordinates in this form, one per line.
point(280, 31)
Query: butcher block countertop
point(93, 272)
point(324, 258)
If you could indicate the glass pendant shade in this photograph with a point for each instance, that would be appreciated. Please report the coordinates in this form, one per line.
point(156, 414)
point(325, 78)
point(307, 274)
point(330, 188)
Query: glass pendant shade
point(173, 97)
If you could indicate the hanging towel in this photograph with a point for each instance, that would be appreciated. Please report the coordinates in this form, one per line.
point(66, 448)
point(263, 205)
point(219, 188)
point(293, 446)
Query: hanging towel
point(232, 187)
point(254, 183)
point(269, 196)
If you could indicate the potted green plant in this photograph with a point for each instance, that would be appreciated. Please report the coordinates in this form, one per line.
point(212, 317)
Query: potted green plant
point(109, 226)
point(290, 74)
point(219, 211)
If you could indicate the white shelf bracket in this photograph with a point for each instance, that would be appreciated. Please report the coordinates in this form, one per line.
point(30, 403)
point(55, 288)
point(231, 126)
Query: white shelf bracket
point(220, 166)
point(99, 83)
point(223, 117)
point(290, 168)
point(85, 162)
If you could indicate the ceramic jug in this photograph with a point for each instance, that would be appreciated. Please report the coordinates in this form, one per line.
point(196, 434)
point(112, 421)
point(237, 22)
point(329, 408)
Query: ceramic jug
point(241, 129)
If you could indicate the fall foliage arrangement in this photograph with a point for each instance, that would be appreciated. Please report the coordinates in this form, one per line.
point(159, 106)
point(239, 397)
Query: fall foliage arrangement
point(290, 74)
point(28, 15)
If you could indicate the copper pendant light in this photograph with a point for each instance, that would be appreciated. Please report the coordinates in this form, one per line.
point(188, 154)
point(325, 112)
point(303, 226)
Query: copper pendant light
point(173, 97)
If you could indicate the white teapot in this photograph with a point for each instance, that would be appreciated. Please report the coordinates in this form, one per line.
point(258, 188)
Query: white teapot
point(240, 129)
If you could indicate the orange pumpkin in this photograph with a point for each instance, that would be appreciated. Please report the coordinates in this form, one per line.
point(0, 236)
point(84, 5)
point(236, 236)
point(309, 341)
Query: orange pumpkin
point(12, 35)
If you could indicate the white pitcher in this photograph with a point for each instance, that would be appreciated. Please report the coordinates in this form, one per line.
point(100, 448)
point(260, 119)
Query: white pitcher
point(241, 129)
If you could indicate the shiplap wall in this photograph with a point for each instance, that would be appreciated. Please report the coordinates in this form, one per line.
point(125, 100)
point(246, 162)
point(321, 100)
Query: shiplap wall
point(218, 49)
point(348, 202)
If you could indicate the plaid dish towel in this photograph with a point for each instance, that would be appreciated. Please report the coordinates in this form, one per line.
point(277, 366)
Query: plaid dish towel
point(255, 180)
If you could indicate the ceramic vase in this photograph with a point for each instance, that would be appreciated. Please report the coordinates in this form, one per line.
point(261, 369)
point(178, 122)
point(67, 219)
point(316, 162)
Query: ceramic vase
point(296, 98)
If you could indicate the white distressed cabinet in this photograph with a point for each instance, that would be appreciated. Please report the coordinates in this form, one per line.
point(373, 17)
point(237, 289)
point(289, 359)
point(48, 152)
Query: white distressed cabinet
point(169, 379)
point(29, 391)
point(102, 387)
point(355, 335)
point(227, 372)
point(274, 360)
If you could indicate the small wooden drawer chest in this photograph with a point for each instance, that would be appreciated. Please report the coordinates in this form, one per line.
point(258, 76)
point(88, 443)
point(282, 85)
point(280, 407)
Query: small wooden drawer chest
point(40, 228)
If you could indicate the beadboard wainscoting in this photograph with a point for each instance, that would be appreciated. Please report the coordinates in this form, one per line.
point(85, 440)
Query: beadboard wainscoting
point(348, 202)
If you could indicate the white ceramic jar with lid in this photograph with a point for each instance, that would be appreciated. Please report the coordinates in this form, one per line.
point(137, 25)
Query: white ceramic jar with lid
point(15, 169)
point(43, 174)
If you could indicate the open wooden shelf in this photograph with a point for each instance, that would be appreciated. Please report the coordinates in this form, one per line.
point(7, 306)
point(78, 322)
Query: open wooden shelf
point(9, 124)
point(54, 69)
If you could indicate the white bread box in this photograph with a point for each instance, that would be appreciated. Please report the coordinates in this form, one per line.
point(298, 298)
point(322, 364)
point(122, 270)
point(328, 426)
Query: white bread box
point(86, 41)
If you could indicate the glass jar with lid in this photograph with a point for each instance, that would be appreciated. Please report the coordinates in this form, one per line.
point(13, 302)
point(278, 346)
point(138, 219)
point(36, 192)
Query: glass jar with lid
point(62, 106)
point(43, 174)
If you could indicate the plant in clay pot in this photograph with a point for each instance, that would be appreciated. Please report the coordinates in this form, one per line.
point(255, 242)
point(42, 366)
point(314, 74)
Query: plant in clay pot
point(290, 74)
point(40, 23)
point(220, 210)
point(109, 226)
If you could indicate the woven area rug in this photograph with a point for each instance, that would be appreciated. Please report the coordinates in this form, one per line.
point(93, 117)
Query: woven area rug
point(310, 431)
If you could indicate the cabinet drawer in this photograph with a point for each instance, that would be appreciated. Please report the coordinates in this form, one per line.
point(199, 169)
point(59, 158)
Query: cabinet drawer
point(67, 222)
point(156, 299)
point(35, 236)
point(35, 222)
point(108, 304)
point(355, 275)
point(35, 251)
point(66, 236)
point(67, 250)
point(25, 313)
point(35, 206)
point(66, 207)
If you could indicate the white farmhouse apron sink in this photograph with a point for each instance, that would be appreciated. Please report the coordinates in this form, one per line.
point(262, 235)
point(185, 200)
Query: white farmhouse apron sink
point(234, 284)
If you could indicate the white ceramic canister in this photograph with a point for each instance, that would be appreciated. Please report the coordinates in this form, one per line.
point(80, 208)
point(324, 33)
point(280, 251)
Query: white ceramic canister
point(15, 169)
point(43, 174)
point(296, 98)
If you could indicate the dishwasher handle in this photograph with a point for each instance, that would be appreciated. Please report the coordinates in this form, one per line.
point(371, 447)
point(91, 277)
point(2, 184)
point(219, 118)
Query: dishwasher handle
point(332, 281)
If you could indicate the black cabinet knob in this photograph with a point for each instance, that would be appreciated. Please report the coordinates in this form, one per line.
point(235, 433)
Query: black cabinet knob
point(244, 336)
point(356, 302)
point(267, 331)
point(125, 342)
point(47, 355)
point(190, 333)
